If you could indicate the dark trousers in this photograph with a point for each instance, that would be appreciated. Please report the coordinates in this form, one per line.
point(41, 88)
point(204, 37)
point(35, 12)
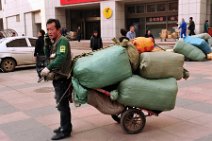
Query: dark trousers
point(192, 32)
point(60, 87)
point(183, 34)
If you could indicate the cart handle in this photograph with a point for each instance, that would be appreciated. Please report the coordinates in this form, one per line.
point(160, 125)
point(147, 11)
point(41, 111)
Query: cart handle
point(103, 92)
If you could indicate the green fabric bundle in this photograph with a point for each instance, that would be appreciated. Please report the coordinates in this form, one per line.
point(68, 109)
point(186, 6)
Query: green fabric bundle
point(189, 51)
point(79, 92)
point(103, 68)
point(158, 94)
point(157, 65)
point(204, 36)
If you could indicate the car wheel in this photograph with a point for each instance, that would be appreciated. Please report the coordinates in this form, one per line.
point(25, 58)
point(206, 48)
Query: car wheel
point(8, 65)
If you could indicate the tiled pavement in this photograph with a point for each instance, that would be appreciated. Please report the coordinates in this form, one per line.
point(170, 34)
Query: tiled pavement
point(28, 113)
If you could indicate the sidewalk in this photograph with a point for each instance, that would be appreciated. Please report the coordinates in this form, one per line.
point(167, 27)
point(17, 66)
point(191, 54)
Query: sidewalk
point(28, 113)
point(85, 44)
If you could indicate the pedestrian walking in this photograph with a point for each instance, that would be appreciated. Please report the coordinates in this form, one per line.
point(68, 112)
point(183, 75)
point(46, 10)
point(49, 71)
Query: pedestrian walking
point(131, 34)
point(191, 26)
point(39, 54)
point(60, 68)
point(183, 27)
point(206, 27)
point(96, 41)
point(79, 34)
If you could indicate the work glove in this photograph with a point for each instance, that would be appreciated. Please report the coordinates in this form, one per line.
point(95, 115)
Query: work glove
point(45, 72)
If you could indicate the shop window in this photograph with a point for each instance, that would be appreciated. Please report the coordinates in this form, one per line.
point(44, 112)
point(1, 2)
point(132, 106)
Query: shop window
point(140, 9)
point(131, 9)
point(173, 6)
point(151, 8)
point(173, 18)
point(161, 7)
point(156, 19)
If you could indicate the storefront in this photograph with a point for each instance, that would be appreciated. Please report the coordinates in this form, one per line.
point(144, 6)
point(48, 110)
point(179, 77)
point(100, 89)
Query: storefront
point(87, 16)
point(152, 16)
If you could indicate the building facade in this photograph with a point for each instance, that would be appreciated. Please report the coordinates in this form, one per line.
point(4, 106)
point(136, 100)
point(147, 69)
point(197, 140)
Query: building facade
point(107, 16)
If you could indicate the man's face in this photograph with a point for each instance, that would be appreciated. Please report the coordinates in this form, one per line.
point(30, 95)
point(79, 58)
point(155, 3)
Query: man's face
point(53, 32)
point(132, 29)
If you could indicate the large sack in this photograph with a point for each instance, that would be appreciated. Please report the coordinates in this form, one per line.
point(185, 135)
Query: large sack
point(79, 92)
point(156, 65)
point(103, 68)
point(143, 44)
point(210, 42)
point(204, 36)
point(104, 104)
point(200, 43)
point(159, 94)
point(133, 54)
point(189, 51)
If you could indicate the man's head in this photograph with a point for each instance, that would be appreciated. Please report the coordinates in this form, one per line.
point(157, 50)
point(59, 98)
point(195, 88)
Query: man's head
point(95, 33)
point(132, 28)
point(53, 28)
point(183, 20)
point(123, 32)
point(191, 18)
point(41, 33)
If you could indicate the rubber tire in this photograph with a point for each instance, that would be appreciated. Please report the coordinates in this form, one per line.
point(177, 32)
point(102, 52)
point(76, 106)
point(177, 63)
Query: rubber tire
point(8, 65)
point(128, 117)
point(117, 118)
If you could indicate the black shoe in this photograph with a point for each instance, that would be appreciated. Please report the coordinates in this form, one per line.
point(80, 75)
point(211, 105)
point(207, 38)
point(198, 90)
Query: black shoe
point(58, 130)
point(60, 136)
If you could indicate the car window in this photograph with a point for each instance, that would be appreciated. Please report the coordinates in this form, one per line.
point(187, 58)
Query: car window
point(17, 43)
point(32, 41)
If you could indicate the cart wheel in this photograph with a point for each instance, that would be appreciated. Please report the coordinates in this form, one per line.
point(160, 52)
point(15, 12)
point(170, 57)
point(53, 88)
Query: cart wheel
point(133, 121)
point(117, 118)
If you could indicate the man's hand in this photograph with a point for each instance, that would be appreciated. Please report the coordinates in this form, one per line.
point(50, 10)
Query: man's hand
point(45, 72)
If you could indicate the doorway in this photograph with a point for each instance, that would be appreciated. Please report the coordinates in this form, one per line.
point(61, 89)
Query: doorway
point(90, 27)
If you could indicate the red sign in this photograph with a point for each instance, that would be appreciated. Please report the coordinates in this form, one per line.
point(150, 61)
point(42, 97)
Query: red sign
point(67, 2)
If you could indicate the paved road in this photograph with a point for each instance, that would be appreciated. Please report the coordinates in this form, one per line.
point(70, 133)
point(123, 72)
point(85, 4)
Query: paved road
point(28, 113)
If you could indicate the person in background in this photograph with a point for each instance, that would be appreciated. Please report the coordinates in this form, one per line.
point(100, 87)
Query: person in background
point(191, 26)
point(123, 34)
point(183, 27)
point(149, 35)
point(206, 27)
point(64, 31)
point(39, 53)
point(96, 41)
point(131, 34)
point(78, 34)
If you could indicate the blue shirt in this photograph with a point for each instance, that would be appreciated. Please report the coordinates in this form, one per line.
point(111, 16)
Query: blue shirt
point(131, 35)
point(183, 26)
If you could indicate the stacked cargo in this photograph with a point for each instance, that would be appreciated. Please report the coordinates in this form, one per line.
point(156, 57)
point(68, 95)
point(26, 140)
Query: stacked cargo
point(148, 81)
point(195, 48)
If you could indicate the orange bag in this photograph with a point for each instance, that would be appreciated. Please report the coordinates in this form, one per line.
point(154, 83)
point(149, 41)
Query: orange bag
point(143, 44)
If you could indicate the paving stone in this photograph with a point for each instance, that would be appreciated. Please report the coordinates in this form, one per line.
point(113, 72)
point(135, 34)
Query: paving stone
point(41, 111)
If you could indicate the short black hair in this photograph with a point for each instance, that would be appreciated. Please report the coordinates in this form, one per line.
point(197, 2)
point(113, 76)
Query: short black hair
point(123, 32)
point(56, 21)
point(42, 32)
point(191, 18)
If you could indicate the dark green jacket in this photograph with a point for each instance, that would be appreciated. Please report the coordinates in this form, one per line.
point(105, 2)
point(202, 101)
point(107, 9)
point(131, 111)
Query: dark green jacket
point(61, 63)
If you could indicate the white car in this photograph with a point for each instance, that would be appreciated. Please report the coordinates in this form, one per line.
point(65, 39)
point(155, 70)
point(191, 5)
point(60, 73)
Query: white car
point(16, 51)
